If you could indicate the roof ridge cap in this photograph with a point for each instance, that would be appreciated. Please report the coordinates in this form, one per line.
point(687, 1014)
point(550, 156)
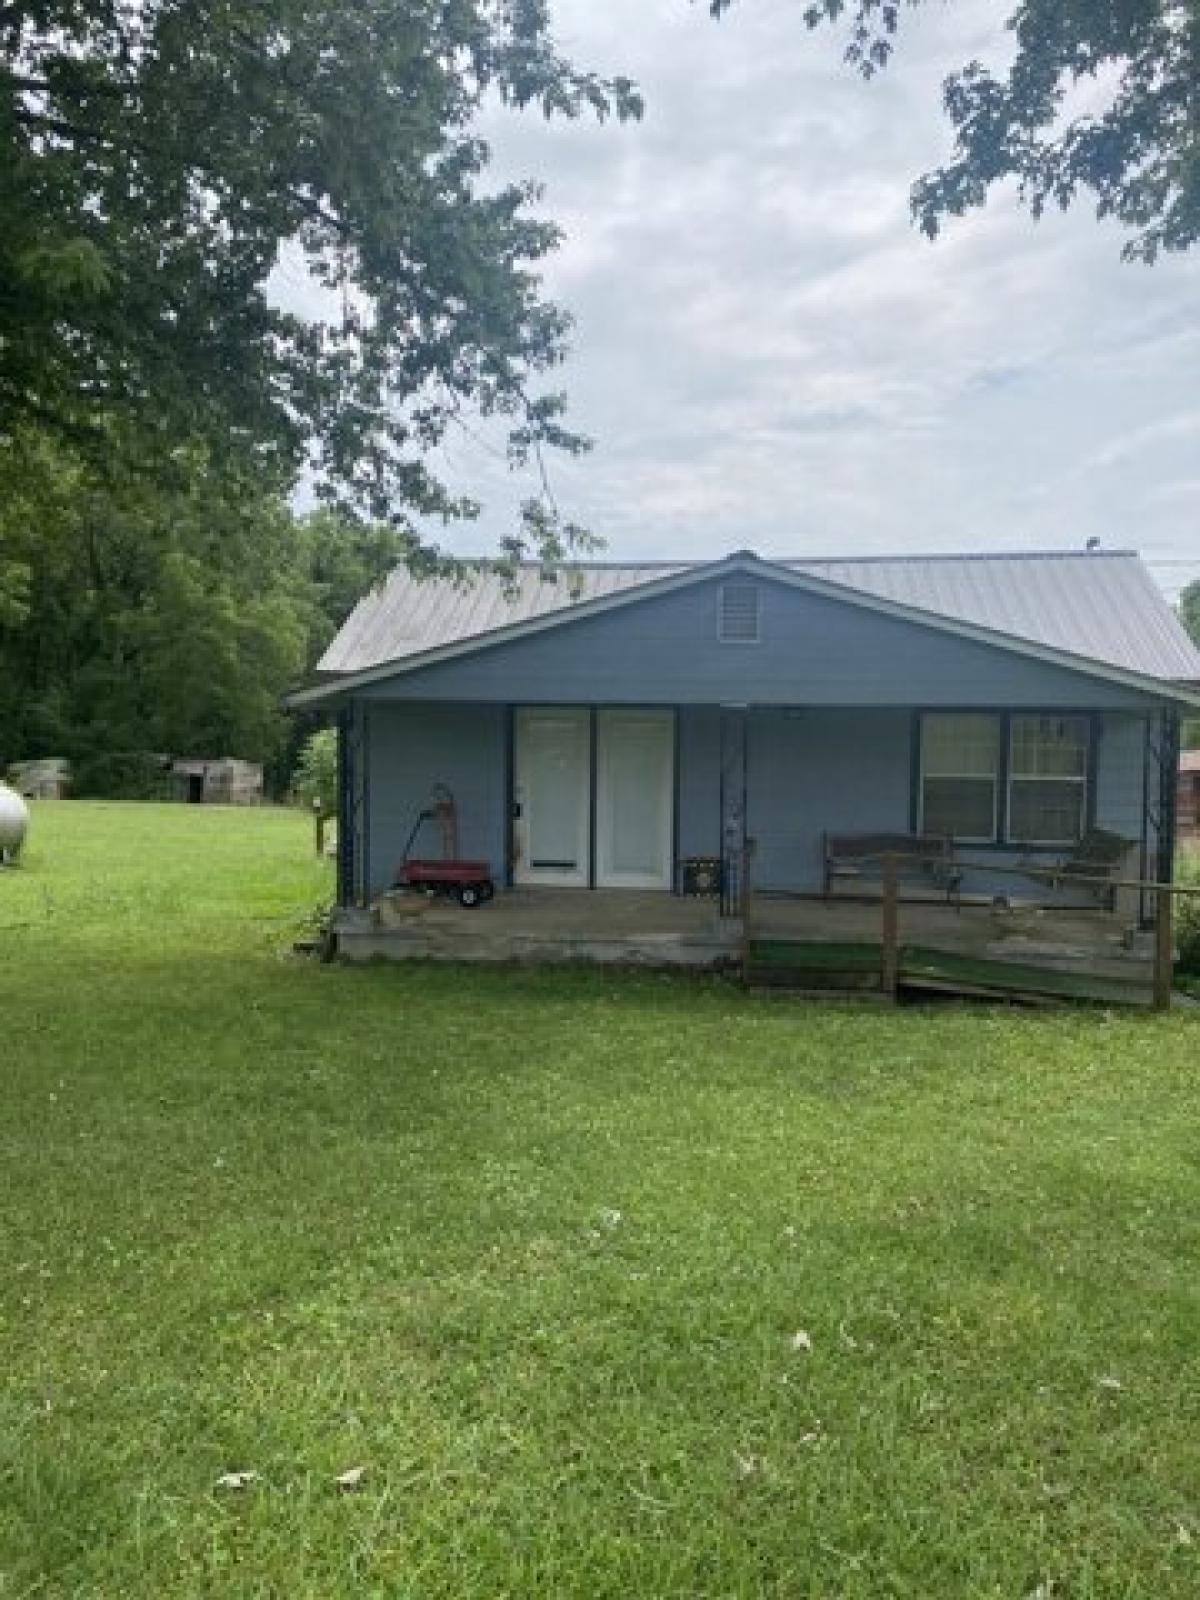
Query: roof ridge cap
point(676, 563)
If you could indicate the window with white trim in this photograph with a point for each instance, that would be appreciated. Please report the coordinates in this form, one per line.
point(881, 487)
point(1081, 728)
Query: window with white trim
point(738, 613)
point(1047, 779)
point(960, 776)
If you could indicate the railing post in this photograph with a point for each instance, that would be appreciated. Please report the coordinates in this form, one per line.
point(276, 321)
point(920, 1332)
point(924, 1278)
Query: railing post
point(1164, 948)
point(747, 852)
point(890, 972)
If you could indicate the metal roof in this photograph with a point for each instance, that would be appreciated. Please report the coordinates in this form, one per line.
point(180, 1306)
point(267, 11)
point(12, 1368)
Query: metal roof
point(1101, 605)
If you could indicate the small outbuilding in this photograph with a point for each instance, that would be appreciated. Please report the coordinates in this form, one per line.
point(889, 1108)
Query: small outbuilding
point(46, 779)
point(222, 782)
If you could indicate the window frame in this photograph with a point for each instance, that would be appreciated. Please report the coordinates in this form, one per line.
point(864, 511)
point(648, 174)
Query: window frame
point(1003, 837)
point(996, 778)
point(1083, 779)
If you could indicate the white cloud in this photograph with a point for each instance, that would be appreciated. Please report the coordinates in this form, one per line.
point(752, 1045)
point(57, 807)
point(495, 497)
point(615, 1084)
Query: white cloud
point(768, 354)
point(1128, 446)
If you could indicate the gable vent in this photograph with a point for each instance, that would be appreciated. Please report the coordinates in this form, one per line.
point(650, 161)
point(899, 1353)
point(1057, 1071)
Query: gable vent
point(738, 613)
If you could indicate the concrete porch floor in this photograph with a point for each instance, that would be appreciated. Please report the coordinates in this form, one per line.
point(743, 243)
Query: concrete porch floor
point(616, 925)
point(650, 929)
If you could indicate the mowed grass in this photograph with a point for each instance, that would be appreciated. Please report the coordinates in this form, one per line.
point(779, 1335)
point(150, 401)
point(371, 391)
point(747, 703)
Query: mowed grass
point(534, 1250)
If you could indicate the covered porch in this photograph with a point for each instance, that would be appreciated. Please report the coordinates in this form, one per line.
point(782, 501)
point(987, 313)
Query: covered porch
point(642, 797)
point(753, 837)
point(837, 945)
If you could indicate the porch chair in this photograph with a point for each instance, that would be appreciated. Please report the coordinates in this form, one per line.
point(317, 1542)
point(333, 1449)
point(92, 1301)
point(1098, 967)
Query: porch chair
point(1099, 854)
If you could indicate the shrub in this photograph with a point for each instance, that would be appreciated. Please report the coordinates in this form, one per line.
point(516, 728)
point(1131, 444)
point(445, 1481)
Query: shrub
point(122, 775)
point(1187, 917)
point(315, 777)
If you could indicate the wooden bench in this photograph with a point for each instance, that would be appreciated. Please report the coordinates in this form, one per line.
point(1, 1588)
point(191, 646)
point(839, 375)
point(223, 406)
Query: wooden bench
point(1100, 854)
point(857, 857)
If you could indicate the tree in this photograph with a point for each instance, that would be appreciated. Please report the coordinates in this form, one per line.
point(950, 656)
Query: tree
point(1189, 609)
point(315, 782)
point(172, 617)
point(156, 157)
point(1189, 615)
point(1139, 156)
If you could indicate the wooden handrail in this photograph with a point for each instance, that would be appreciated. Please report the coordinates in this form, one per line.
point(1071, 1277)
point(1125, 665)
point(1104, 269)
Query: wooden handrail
point(1048, 871)
point(1164, 933)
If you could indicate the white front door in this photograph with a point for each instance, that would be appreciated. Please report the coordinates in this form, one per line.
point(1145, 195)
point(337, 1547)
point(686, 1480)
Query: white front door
point(552, 782)
point(635, 787)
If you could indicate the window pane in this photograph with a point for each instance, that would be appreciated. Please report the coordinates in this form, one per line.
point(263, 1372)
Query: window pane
point(1046, 811)
point(960, 745)
point(1049, 747)
point(960, 808)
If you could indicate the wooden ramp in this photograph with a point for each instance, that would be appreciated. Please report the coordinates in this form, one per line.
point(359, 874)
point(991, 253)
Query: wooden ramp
point(856, 968)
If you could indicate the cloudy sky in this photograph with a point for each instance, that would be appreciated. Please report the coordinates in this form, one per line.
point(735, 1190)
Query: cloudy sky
point(769, 356)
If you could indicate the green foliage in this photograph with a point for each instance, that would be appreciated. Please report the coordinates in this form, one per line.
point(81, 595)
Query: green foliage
point(1189, 614)
point(1189, 609)
point(164, 617)
point(1139, 156)
point(121, 775)
point(157, 160)
point(1187, 934)
point(316, 776)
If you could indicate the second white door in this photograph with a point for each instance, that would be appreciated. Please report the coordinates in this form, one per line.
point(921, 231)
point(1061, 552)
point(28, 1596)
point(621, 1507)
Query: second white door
point(635, 787)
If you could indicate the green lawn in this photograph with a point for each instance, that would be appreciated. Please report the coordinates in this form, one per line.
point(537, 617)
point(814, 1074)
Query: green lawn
point(533, 1250)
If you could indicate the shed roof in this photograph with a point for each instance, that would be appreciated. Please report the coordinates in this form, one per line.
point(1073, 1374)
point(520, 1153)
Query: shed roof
point(1102, 606)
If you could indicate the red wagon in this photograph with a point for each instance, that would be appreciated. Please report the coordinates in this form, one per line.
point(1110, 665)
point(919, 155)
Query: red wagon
point(469, 881)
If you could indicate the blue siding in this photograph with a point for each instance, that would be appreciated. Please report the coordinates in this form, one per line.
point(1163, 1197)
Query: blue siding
point(810, 772)
point(412, 748)
point(813, 652)
point(699, 781)
point(818, 772)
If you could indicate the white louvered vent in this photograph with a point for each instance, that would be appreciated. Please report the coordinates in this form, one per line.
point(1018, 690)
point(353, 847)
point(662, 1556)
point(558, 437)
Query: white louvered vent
point(738, 613)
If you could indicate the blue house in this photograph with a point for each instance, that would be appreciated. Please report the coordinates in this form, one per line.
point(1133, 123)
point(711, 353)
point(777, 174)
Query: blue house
point(608, 727)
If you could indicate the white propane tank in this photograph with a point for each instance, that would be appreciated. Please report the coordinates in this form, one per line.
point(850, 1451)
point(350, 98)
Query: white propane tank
point(14, 823)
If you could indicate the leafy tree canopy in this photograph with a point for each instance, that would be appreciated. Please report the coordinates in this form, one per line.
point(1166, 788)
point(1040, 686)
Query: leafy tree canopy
point(1189, 609)
point(1189, 613)
point(155, 158)
point(169, 617)
point(1139, 157)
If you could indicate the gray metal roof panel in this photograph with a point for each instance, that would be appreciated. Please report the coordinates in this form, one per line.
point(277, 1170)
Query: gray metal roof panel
point(1102, 606)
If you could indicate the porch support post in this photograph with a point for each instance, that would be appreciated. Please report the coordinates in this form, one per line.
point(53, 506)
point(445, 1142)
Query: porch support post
point(890, 973)
point(347, 852)
point(351, 810)
point(733, 803)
